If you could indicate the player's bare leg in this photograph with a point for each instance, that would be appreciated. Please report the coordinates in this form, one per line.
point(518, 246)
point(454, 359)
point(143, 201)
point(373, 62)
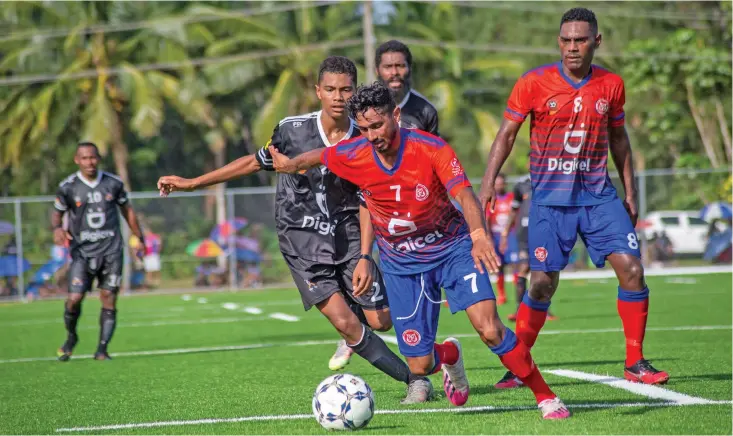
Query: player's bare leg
point(515, 356)
point(633, 308)
point(72, 312)
point(500, 287)
point(378, 320)
point(531, 316)
point(107, 322)
point(371, 347)
point(521, 286)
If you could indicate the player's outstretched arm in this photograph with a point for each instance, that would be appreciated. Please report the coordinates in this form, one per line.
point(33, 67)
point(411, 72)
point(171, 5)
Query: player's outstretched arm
point(483, 251)
point(621, 153)
point(500, 150)
point(241, 167)
point(302, 162)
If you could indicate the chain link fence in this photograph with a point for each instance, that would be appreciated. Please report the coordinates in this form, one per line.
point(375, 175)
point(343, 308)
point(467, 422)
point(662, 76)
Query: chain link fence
point(184, 222)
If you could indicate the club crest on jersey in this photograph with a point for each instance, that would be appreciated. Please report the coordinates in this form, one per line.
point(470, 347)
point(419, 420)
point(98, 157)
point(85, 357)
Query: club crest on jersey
point(366, 192)
point(457, 168)
point(77, 201)
point(421, 192)
point(411, 337)
point(602, 106)
point(552, 106)
point(108, 197)
point(540, 253)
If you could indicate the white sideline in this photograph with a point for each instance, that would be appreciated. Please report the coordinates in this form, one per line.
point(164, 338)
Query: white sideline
point(650, 391)
point(378, 412)
point(387, 338)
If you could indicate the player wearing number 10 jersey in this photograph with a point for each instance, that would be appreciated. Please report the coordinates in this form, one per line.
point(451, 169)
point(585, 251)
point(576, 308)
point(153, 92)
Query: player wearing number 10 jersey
point(577, 116)
point(425, 244)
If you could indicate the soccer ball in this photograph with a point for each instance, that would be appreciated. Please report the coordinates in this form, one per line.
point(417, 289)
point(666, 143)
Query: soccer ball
point(343, 402)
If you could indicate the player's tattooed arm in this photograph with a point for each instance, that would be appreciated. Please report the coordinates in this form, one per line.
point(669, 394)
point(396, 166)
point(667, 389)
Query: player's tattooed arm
point(500, 150)
point(620, 147)
point(305, 161)
point(241, 167)
point(483, 252)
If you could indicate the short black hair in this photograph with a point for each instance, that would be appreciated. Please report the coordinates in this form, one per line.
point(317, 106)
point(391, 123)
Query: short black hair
point(337, 65)
point(392, 46)
point(375, 96)
point(87, 144)
point(580, 14)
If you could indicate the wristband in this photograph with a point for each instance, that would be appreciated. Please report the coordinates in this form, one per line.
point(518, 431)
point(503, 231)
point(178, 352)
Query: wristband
point(365, 256)
point(477, 234)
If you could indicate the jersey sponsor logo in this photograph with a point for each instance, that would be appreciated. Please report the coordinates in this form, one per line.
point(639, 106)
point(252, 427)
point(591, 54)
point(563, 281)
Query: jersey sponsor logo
point(97, 235)
point(540, 253)
point(602, 106)
point(568, 166)
point(96, 220)
point(411, 337)
point(456, 166)
point(552, 106)
point(322, 227)
point(409, 245)
point(421, 192)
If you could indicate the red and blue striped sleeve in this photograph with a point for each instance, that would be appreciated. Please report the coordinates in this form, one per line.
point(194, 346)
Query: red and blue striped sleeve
point(449, 169)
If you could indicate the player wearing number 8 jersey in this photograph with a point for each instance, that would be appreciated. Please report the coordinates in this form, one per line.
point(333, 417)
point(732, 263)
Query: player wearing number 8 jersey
point(425, 244)
point(577, 116)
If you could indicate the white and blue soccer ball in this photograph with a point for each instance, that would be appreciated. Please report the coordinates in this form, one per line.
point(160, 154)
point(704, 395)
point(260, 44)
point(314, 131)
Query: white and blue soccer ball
point(343, 402)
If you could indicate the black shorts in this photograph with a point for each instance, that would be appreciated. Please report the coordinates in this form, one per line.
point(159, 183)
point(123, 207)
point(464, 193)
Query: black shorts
point(107, 269)
point(523, 244)
point(316, 282)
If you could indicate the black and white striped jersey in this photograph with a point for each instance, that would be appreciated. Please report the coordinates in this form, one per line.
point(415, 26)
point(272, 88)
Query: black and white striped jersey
point(317, 213)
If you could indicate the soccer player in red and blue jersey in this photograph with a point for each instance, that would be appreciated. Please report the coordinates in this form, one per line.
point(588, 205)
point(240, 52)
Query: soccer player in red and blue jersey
point(425, 244)
point(499, 221)
point(577, 116)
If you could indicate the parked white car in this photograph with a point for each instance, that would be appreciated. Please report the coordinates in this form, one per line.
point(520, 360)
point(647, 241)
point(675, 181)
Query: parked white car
point(684, 228)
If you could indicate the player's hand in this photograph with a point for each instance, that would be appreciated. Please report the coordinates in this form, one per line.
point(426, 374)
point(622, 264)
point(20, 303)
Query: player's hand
point(282, 163)
point(487, 197)
point(484, 252)
point(60, 236)
point(503, 243)
point(168, 184)
point(362, 280)
point(631, 208)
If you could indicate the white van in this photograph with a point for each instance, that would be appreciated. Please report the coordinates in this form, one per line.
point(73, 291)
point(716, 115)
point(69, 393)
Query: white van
point(687, 232)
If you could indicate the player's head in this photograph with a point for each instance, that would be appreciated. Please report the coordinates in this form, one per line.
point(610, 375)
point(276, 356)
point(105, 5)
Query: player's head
point(336, 82)
point(376, 115)
point(394, 67)
point(87, 158)
point(578, 38)
point(500, 184)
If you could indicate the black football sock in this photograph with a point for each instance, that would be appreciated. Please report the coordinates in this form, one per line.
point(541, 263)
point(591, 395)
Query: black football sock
point(375, 351)
point(71, 318)
point(107, 323)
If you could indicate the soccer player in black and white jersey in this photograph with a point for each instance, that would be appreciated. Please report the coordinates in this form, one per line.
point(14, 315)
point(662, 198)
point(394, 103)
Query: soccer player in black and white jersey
point(393, 61)
point(91, 198)
point(319, 224)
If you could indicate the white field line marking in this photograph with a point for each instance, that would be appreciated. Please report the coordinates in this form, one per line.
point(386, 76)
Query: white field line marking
point(284, 317)
point(230, 306)
point(378, 412)
point(324, 342)
point(650, 391)
point(389, 338)
point(252, 310)
point(181, 350)
point(202, 300)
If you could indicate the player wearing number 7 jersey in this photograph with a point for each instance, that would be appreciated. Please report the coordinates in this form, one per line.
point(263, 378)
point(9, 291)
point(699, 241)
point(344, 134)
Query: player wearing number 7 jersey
point(425, 244)
point(577, 115)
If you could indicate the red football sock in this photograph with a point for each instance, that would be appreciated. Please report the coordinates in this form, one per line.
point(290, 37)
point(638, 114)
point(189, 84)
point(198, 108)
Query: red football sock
point(500, 285)
point(633, 316)
point(529, 322)
point(519, 362)
point(447, 352)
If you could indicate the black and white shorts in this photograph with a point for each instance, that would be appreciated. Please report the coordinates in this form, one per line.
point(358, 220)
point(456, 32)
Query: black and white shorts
point(317, 281)
point(107, 269)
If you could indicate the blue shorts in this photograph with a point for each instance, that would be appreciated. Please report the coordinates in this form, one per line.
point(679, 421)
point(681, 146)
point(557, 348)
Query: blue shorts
point(414, 299)
point(604, 228)
point(512, 248)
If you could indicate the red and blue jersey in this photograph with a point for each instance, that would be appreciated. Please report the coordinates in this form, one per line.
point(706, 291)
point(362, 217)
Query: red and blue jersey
point(498, 220)
point(414, 220)
point(569, 132)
